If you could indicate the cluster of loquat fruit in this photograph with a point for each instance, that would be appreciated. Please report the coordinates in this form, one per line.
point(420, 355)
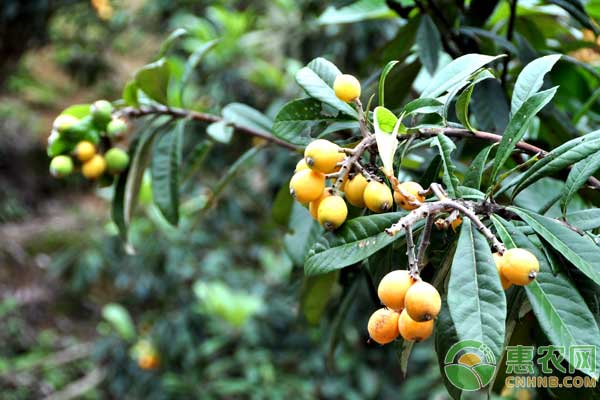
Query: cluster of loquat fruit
point(81, 140)
point(411, 305)
point(360, 189)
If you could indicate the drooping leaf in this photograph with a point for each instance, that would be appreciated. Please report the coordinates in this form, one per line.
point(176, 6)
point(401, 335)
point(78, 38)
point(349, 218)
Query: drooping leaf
point(578, 176)
point(490, 106)
point(423, 106)
point(445, 147)
point(153, 79)
point(166, 160)
point(564, 155)
point(384, 73)
point(577, 11)
point(297, 118)
point(561, 311)
point(517, 127)
point(474, 175)
point(244, 115)
point(386, 129)
point(315, 294)
point(356, 240)
point(579, 250)
point(317, 81)
point(531, 79)
point(429, 43)
point(170, 40)
point(586, 220)
point(476, 300)
point(455, 72)
point(462, 102)
point(192, 62)
point(360, 10)
point(130, 94)
point(119, 318)
point(304, 230)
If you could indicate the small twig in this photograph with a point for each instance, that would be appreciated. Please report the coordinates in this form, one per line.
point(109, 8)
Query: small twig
point(350, 161)
point(361, 119)
point(425, 241)
point(368, 176)
point(413, 268)
point(81, 386)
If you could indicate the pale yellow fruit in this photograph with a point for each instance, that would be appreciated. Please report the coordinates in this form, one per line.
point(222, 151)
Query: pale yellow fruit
point(346, 87)
point(499, 260)
point(322, 156)
point(332, 212)
point(383, 326)
point(85, 151)
point(307, 185)
point(355, 189)
point(94, 168)
point(377, 197)
point(412, 199)
point(422, 302)
point(313, 206)
point(519, 266)
point(301, 165)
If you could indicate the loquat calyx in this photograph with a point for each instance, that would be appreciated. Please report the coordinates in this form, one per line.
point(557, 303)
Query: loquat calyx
point(422, 301)
point(116, 160)
point(332, 212)
point(346, 87)
point(307, 185)
point(322, 156)
point(61, 166)
point(407, 196)
point(355, 189)
point(313, 206)
point(94, 168)
point(383, 326)
point(499, 260)
point(519, 266)
point(412, 330)
point(393, 287)
point(85, 150)
point(377, 197)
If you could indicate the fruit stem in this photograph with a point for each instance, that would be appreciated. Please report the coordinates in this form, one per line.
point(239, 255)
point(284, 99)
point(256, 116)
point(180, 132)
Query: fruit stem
point(350, 161)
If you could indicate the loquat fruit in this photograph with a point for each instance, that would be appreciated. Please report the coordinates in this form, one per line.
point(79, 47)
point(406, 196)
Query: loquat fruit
point(332, 212)
point(519, 266)
point(313, 206)
point(116, 160)
point(148, 361)
point(64, 122)
point(301, 165)
point(346, 87)
point(393, 287)
point(411, 190)
point(94, 168)
point(307, 185)
point(412, 330)
point(499, 260)
point(383, 326)
point(355, 189)
point(85, 150)
point(116, 128)
point(422, 301)
point(101, 111)
point(61, 166)
point(322, 156)
point(377, 197)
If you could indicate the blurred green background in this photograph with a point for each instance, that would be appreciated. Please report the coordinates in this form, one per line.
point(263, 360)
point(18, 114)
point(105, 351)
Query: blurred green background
point(215, 302)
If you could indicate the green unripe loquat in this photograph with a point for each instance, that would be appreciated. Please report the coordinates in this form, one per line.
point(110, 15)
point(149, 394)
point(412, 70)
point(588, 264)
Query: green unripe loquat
point(116, 160)
point(101, 112)
point(116, 128)
point(61, 166)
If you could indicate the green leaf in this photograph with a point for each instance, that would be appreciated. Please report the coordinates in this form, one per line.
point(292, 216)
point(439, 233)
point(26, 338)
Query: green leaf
point(462, 102)
point(445, 147)
point(130, 94)
point(153, 79)
point(120, 319)
point(446, 337)
point(118, 208)
point(474, 175)
point(220, 131)
point(563, 156)
point(476, 300)
point(192, 62)
point(531, 79)
point(317, 81)
point(456, 72)
point(170, 40)
point(356, 240)
point(586, 220)
point(282, 205)
point(360, 10)
point(579, 250)
point(423, 106)
point(295, 121)
point(386, 130)
point(490, 106)
point(165, 164)
point(429, 43)
point(77, 110)
point(384, 73)
point(304, 231)
point(561, 311)
point(315, 294)
point(518, 126)
point(578, 176)
point(246, 116)
point(577, 11)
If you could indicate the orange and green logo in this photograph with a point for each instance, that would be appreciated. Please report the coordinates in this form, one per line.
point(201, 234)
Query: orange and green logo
point(469, 365)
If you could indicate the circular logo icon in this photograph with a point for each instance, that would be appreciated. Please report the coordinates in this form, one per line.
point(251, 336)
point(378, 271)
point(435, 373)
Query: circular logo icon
point(469, 365)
